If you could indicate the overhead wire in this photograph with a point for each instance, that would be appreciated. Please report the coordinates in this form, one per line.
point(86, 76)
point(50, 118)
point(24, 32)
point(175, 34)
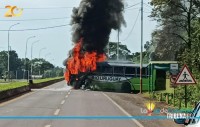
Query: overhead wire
point(127, 8)
point(38, 19)
point(132, 26)
point(42, 28)
point(50, 27)
point(45, 8)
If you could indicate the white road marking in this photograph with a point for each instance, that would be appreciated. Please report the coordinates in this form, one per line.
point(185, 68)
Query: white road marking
point(126, 113)
point(68, 93)
point(62, 102)
point(66, 96)
point(56, 112)
point(47, 126)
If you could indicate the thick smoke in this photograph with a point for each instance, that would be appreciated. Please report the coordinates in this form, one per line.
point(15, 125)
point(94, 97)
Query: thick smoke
point(93, 21)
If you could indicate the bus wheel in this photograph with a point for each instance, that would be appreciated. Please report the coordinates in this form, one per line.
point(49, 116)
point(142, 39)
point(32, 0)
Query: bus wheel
point(126, 88)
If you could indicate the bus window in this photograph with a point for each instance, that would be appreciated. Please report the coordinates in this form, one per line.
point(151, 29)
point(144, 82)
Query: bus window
point(118, 71)
point(130, 71)
point(98, 69)
point(138, 72)
point(107, 70)
point(144, 72)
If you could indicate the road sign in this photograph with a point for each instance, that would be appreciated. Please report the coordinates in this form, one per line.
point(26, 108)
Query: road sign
point(174, 69)
point(173, 66)
point(185, 77)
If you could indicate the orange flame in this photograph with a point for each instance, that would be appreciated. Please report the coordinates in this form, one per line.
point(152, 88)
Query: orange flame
point(82, 62)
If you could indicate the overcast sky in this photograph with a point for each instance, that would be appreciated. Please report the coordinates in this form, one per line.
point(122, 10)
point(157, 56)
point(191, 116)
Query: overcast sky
point(57, 41)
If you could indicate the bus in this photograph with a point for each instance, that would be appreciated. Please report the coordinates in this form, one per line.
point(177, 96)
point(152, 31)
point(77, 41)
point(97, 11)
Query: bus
point(118, 76)
point(124, 76)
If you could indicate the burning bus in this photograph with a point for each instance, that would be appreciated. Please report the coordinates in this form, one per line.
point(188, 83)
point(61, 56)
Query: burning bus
point(80, 65)
point(118, 76)
point(92, 23)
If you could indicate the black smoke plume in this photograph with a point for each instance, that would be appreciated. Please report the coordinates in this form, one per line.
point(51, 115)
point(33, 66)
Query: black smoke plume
point(93, 21)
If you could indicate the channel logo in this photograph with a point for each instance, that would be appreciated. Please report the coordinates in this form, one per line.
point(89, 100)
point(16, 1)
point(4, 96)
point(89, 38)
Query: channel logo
point(13, 11)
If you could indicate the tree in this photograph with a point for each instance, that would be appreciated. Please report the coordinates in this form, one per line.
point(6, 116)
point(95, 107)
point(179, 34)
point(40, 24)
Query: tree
point(174, 18)
point(14, 64)
point(123, 51)
point(41, 65)
point(177, 36)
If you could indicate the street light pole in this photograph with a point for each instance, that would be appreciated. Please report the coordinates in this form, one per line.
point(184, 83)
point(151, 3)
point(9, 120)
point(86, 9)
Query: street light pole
point(32, 56)
point(41, 51)
point(26, 67)
point(9, 49)
point(39, 57)
point(47, 55)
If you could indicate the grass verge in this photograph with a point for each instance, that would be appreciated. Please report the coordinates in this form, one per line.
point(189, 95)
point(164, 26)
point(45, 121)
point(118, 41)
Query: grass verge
point(12, 85)
point(45, 80)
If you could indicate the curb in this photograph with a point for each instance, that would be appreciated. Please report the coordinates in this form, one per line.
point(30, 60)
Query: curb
point(13, 92)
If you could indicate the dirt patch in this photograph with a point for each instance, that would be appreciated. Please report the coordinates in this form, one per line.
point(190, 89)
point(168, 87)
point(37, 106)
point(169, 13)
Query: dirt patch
point(134, 103)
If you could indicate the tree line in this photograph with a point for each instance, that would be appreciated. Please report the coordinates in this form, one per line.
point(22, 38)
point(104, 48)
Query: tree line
point(19, 67)
point(177, 37)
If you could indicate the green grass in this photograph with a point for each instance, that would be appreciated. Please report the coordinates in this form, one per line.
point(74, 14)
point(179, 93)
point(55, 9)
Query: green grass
point(15, 84)
point(45, 80)
point(12, 85)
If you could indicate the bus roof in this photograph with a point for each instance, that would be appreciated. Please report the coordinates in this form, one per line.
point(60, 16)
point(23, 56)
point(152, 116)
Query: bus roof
point(121, 64)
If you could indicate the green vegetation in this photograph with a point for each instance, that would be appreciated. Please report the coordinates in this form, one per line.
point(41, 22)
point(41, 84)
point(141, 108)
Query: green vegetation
point(45, 80)
point(177, 38)
point(16, 84)
point(40, 67)
point(12, 85)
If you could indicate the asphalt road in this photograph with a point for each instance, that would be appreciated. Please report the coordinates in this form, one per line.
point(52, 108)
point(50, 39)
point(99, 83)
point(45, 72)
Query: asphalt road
point(58, 100)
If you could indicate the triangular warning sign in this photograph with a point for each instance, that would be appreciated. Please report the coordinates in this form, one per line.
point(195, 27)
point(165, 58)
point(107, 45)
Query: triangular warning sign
point(185, 77)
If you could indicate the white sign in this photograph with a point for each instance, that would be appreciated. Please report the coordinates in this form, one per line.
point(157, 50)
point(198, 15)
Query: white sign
point(109, 78)
point(173, 66)
point(185, 77)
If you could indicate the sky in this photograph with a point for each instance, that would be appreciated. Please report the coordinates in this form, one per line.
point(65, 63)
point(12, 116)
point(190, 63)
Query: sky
point(57, 41)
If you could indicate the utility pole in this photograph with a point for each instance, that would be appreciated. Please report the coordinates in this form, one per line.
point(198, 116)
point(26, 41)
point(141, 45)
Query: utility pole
point(118, 45)
point(141, 47)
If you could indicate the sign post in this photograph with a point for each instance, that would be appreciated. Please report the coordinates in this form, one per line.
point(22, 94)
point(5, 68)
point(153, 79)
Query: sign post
point(185, 78)
point(173, 74)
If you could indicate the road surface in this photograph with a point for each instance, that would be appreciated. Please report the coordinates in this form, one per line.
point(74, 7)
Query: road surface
point(58, 100)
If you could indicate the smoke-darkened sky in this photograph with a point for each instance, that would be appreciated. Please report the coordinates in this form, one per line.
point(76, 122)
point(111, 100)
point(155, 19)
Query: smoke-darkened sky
point(93, 21)
point(58, 41)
